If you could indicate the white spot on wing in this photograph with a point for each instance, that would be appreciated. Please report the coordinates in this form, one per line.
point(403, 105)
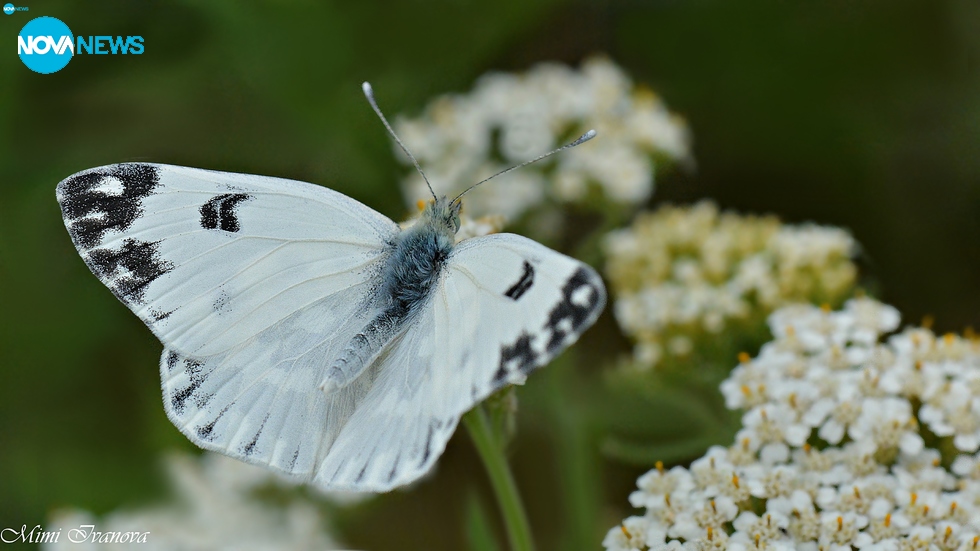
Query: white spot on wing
point(94, 215)
point(582, 296)
point(110, 186)
point(539, 344)
point(565, 326)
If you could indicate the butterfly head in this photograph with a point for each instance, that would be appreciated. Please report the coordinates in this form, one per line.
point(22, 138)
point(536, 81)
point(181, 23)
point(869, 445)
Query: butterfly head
point(443, 214)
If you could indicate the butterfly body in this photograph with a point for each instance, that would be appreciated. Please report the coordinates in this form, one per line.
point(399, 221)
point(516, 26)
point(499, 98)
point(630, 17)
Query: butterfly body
point(419, 253)
point(308, 333)
point(408, 277)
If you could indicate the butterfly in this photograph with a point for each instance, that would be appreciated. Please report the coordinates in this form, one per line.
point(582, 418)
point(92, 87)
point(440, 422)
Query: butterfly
point(307, 333)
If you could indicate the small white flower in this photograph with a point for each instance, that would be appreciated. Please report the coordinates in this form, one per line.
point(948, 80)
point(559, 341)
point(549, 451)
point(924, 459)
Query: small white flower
point(754, 531)
point(774, 424)
point(923, 472)
point(714, 513)
point(869, 319)
point(839, 529)
point(966, 466)
point(631, 535)
point(889, 423)
point(656, 484)
point(712, 471)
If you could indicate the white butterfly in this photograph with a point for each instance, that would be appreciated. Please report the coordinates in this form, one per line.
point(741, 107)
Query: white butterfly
point(307, 333)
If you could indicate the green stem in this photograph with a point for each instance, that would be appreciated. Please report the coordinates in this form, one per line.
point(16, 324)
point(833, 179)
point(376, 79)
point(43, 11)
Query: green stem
point(518, 529)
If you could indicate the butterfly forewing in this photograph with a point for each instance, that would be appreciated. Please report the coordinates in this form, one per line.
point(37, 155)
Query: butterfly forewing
point(209, 259)
point(518, 303)
point(504, 306)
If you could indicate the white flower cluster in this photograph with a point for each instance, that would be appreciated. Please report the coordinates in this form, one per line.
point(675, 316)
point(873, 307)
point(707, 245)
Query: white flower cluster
point(510, 118)
point(214, 509)
point(681, 272)
point(831, 455)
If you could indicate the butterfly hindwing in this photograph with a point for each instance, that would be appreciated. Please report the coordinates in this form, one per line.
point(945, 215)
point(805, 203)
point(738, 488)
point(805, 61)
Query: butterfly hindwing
point(504, 306)
point(260, 401)
point(209, 259)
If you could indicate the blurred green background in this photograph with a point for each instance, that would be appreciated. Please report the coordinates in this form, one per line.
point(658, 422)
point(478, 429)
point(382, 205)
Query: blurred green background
point(862, 114)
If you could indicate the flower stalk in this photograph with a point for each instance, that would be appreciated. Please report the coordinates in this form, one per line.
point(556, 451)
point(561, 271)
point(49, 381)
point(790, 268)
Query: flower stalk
point(492, 453)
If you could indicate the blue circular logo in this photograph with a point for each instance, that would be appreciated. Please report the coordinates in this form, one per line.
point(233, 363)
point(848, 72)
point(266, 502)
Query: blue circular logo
point(45, 45)
point(8, 9)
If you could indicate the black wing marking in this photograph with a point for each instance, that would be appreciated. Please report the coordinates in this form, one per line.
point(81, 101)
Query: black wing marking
point(111, 199)
point(128, 270)
point(194, 368)
point(219, 212)
point(90, 212)
point(523, 284)
point(581, 301)
point(518, 356)
point(582, 298)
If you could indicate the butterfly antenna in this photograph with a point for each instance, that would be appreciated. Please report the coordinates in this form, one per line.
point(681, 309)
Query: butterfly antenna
point(581, 140)
point(369, 94)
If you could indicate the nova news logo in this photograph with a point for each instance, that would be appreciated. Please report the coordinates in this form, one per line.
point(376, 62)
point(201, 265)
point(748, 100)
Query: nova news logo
point(46, 45)
point(9, 9)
